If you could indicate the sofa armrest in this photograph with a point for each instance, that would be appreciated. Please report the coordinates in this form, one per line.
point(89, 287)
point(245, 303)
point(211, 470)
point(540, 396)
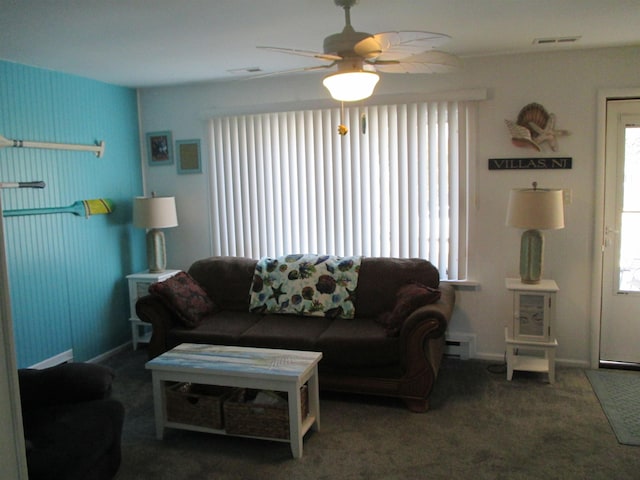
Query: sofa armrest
point(438, 314)
point(423, 331)
point(65, 383)
point(151, 310)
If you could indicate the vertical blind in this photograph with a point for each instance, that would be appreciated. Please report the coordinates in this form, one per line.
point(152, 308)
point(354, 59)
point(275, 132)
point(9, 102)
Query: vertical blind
point(394, 186)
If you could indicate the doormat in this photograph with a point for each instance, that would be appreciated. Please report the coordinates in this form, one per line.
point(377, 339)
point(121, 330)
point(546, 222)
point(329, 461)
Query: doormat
point(618, 393)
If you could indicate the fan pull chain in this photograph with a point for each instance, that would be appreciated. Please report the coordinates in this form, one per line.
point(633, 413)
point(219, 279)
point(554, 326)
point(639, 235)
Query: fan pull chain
point(342, 128)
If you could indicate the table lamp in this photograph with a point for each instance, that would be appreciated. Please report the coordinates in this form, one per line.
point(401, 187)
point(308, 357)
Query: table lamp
point(155, 213)
point(534, 209)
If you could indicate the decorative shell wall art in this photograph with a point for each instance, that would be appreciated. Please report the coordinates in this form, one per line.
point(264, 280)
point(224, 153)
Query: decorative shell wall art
point(534, 127)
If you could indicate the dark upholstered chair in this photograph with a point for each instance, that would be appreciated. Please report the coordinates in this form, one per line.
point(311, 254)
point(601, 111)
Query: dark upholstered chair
point(72, 428)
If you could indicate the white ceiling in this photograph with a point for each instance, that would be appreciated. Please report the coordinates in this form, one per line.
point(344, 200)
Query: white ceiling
point(141, 43)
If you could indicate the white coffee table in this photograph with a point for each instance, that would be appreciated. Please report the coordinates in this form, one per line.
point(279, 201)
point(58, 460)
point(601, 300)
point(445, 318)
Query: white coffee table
point(259, 368)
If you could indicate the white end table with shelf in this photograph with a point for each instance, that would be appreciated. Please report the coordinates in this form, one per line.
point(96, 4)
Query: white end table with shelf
point(530, 340)
point(139, 287)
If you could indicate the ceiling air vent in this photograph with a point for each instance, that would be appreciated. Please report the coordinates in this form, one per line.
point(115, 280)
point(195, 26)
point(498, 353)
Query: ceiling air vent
point(556, 40)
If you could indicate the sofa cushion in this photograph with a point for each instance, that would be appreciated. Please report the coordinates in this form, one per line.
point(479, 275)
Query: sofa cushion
point(380, 279)
point(286, 331)
point(305, 285)
point(358, 343)
point(226, 280)
point(223, 328)
point(409, 298)
point(182, 294)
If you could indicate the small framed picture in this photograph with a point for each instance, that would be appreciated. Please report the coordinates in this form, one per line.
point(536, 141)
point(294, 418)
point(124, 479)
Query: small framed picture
point(159, 145)
point(188, 155)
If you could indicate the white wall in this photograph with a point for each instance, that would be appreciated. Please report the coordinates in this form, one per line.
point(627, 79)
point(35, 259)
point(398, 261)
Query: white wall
point(566, 83)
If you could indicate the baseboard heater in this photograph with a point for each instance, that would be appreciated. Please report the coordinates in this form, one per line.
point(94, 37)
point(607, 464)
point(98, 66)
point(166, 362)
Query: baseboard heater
point(460, 345)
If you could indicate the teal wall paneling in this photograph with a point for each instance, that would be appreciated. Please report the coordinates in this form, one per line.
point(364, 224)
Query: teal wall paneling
point(67, 273)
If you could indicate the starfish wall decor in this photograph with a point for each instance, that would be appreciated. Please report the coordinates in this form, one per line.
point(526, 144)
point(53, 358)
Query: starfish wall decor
point(534, 127)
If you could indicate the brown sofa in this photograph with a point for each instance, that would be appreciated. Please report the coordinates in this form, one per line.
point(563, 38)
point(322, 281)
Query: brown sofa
point(359, 354)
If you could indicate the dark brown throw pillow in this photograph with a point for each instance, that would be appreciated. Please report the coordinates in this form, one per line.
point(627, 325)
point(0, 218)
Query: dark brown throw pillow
point(408, 298)
point(182, 294)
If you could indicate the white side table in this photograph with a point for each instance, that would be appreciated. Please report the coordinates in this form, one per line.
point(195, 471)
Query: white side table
point(139, 287)
point(246, 367)
point(530, 340)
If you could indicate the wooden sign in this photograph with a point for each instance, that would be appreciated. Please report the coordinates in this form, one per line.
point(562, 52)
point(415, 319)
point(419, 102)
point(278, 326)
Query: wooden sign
point(549, 163)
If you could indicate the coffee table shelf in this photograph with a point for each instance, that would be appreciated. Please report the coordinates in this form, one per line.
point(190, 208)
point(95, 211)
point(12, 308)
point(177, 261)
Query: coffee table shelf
point(256, 368)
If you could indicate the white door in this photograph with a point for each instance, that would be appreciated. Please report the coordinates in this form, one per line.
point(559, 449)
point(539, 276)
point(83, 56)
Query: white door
point(620, 317)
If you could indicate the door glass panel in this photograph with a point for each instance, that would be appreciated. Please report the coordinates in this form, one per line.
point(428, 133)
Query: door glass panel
point(630, 219)
point(531, 315)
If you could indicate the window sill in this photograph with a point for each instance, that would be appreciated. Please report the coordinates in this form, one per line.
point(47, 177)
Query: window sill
point(463, 284)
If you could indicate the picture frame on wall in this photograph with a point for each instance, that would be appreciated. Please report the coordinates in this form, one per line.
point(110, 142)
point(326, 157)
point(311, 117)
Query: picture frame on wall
point(159, 148)
point(188, 156)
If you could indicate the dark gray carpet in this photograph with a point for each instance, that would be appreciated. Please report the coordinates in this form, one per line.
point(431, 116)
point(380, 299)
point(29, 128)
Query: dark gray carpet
point(479, 427)
point(619, 395)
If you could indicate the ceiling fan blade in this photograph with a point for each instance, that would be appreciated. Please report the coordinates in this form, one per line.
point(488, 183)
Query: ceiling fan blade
point(397, 45)
point(432, 61)
point(292, 70)
point(305, 53)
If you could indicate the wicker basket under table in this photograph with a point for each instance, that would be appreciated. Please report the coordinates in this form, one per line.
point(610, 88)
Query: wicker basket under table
point(243, 417)
point(196, 404)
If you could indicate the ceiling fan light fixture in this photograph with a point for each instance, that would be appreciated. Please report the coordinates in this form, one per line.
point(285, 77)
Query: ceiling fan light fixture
point(351, 86)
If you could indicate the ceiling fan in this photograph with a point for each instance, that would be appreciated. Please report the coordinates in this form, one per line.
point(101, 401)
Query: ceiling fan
point(359, 55)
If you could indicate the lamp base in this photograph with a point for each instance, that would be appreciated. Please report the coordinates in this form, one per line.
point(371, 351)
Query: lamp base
point(531, 248)
point(156, 251)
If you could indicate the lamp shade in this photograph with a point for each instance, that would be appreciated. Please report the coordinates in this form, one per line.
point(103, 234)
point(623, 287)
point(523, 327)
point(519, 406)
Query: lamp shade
point(351, 86)
point(535, 208)
point(155, 212)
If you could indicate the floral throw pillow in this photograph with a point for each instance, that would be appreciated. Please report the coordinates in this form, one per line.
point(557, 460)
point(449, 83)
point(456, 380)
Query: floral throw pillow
point(182, 294)
point(410, 297)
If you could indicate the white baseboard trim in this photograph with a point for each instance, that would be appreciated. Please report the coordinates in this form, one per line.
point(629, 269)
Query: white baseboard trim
point(63, 357)
point(492, 357)
point(563, 362)
point(573, 363)
point(110, 353)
